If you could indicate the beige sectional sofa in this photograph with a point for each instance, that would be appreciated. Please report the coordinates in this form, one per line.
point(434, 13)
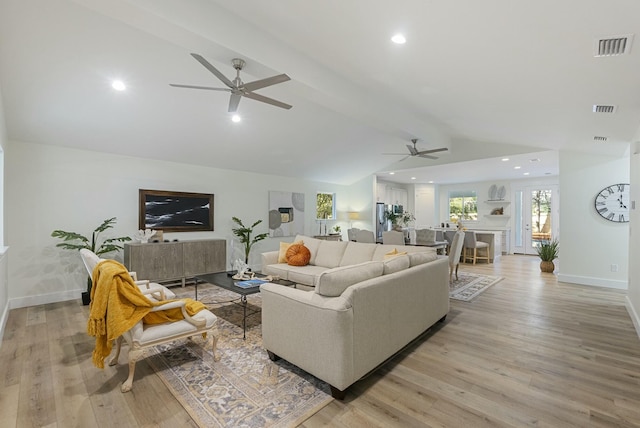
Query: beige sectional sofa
point(363, 308)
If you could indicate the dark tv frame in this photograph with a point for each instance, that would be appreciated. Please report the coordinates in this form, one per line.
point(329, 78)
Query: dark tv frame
point(144, 194)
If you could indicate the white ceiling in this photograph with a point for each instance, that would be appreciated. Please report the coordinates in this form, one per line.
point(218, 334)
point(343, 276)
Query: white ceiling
point(487, 80)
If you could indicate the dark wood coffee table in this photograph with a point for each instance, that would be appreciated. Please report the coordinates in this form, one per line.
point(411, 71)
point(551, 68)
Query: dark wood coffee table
point(225, 280)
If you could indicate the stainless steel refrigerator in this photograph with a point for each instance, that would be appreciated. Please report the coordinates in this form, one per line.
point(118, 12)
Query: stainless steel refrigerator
point(381, 223)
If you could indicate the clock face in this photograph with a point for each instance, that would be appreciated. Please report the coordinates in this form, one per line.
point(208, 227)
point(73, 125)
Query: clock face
point(612, 203)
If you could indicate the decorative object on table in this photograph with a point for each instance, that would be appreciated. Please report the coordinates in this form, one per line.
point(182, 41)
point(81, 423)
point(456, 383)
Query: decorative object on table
point(548, 252)
point(242, 270)
point(244, 234)
point(497, 211)
point(336, 229)
point(75, 241)
point(175, 211)
point(612, 203)
point(469, 285)
point(286, 213)
point(144, 235)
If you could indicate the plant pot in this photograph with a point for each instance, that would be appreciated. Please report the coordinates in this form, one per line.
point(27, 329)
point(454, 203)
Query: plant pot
point(547, 266)
point(86, 298)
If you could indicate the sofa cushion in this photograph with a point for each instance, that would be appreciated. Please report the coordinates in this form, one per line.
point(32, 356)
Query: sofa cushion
point(312, 244)
point(307, 275)
point(422, 257)
point(284, 246)
point(298, 255)
point(330, 253)
point(396, 264)
point(357, 252)
point(332, 282)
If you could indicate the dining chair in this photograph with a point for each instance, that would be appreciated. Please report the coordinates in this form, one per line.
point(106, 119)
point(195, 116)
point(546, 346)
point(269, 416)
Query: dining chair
point(471, 247)
point(454, 254)
point(425, 236)
point(393, 237)
point(364, 235)
point(351, 234)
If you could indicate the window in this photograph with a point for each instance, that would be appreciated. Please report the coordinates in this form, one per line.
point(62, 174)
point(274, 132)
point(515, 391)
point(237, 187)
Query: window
point(326, 206)
point(463, 205)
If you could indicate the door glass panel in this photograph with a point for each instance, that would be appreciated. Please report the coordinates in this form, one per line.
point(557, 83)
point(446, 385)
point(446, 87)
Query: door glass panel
point(518, 220)
point(540, 217)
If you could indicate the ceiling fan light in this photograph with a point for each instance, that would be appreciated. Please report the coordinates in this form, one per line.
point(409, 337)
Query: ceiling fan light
point(118, 85)
point(236, 118)
point(399, 39)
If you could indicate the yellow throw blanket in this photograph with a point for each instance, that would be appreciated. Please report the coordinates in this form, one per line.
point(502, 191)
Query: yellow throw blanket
point(117, 304)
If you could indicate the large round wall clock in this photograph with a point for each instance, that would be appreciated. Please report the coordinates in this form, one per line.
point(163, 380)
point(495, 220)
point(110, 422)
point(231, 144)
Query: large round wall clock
point(612, 203)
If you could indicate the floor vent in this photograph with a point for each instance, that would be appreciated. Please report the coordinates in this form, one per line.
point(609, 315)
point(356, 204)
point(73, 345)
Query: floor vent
point(613, 46)
point(599, 108)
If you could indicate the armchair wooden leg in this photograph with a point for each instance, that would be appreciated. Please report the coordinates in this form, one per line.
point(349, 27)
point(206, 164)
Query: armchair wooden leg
point(134, 356)
point(114, 360)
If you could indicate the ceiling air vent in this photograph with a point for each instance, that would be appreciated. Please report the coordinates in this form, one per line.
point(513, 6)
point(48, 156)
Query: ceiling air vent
point(600, 139)
point(612, 46)
point(599, 108)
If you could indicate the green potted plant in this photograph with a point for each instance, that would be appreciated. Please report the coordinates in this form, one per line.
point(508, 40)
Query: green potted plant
point(244, 234)
point(336, 229)
point(548, 252)
point(393, 218)
point(75, 241)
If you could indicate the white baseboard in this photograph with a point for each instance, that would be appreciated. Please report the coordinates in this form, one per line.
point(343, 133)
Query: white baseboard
point(634, 315)
point(43, 299)
point(3, 321)
point(595, 282)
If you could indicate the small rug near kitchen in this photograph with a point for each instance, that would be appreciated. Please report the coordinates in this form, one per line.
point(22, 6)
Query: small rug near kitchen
point(245, 388)
point(469, 285)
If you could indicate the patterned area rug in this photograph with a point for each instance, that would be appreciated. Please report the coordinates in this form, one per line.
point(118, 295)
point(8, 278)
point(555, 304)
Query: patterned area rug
point(469, 285)
point(244, 388)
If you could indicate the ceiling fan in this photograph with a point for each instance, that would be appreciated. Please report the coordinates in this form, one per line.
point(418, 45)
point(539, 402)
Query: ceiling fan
point(413, 151)
point(237, 87)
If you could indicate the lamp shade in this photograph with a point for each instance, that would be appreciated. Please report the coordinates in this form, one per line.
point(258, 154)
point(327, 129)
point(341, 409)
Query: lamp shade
point(354, 215)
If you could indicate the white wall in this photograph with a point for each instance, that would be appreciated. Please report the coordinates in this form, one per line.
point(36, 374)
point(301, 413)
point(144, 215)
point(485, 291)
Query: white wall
point(589, 244)
point(4, 287)
point(51, 187)
point(633, 292)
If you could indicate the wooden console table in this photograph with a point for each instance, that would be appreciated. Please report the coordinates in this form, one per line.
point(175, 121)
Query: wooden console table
point(337, 237)
point(176, 261)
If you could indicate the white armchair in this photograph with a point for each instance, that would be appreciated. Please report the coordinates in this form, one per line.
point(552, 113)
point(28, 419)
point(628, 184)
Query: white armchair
point(142, 336)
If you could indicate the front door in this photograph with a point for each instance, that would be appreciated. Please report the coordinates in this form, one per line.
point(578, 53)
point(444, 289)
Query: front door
point(536, 217)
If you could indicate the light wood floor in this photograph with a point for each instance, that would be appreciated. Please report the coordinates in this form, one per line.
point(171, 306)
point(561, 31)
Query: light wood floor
point(527, 352)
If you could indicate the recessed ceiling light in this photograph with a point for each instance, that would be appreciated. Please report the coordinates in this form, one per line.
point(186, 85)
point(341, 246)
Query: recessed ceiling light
point(430, 181)
point(118, 85)
point(525, 173)
point(505, 159)
point(534, 160)
point(413, 178)
point(517, 167)
point(399, 39)
point(236, 118)
point(391, 173)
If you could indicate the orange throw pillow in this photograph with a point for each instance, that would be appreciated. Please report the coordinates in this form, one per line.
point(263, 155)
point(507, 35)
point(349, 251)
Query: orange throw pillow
point(298, 255)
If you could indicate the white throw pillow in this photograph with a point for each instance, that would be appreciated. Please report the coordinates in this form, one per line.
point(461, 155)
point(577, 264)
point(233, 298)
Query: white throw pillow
point(333, 282)
point(396, 264)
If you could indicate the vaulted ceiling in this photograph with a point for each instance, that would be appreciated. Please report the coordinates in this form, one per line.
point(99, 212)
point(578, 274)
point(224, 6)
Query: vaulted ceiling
point(487, 80)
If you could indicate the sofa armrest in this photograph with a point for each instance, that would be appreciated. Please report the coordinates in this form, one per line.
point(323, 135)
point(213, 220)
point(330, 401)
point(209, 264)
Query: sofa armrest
point(310, 331)
point(269, 258)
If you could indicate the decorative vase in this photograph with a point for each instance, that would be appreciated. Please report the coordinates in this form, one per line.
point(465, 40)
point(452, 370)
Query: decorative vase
point(397, 227)
point(547, 266)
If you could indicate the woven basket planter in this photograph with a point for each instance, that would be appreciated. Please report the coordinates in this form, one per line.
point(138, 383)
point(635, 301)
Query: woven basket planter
point(547, 266)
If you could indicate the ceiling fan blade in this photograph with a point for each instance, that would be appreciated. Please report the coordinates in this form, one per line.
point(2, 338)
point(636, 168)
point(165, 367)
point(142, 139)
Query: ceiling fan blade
point(267, 100)
point(234, 100)
point(199, 87)
point(212, 69)
point(412, 150)
point(399, 154)
point(263, 83)
point(427, 156)
point(423, 152)
point(407, 156)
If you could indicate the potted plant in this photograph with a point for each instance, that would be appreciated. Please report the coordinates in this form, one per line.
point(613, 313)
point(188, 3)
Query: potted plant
point(548, 252)
point(336, 229)
point(244, 233)
point(393, 218)
point(75, 241)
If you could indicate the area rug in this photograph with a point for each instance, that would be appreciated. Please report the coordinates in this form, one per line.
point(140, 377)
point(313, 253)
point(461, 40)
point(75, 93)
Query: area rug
point(244, 388)
point(469, 285)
